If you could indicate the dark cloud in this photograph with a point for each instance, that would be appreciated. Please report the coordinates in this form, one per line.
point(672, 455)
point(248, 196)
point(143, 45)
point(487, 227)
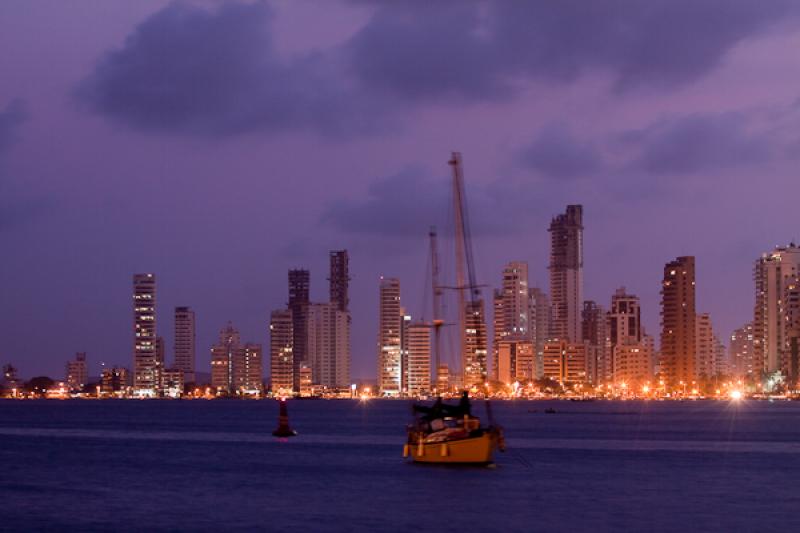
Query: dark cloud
point(407, 204)
point(189, 70)
point(697, 143)
point(476, 50)
point(557, 154)
point(11, 118)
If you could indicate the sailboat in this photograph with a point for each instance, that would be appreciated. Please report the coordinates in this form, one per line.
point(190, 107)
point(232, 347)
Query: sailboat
point(448, 434)
point(444, 433)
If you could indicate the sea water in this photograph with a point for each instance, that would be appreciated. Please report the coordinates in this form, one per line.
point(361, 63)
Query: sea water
point(213, 465)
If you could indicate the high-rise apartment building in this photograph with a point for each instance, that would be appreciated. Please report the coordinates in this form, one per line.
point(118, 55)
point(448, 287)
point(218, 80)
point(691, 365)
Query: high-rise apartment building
point(77, 372)
point(791, 343)
point(184, 343)
point(539, 309)
point(328, 345)
point(249, 374)
point(625, 334)
point(419, 358)
point(566, 273)
point(236, 368)
point(565, 362)
point(498, 329)
point(280, 351)
point(740, 352)
point(390, 322)
point(475, 354)
point(339, 279)
point(516, 361)
point(145, 355)
point(632, 365)
point(114, 381)
point(773, 274)
point(224, 356)
point(299, 286)
point(594, 332)
point(705, 347)
point(678, 323)
point(511, 308)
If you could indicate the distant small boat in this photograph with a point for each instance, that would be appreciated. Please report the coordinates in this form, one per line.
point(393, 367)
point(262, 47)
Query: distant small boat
point(549, 410)
point(283, 429)
point(450, 434)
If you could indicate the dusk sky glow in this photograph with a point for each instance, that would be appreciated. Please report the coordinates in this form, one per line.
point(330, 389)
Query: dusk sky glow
point(219, 144)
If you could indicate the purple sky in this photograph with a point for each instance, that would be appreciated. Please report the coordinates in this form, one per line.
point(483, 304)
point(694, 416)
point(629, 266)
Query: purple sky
point(219, 144)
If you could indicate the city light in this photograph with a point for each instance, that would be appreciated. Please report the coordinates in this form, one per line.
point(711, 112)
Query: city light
point(736, 395)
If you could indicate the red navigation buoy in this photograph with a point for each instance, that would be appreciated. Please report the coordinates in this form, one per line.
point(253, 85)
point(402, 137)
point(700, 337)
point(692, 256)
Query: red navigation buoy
point(283, 429)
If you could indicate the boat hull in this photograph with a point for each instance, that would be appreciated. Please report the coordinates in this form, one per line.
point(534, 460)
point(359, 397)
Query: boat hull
point(471, 450)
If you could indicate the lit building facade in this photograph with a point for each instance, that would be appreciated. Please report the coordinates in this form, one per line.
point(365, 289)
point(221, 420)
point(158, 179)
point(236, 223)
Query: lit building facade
point(419, 359)
point(740, 352)
point(566, 274)
point(516, 361)
point(706, 347)
point(77, 375)
point(678, 323)
point(299, 287)
point(539, 309)
point(236, 368)
point(114, 381)
point(390, 318)
point(565, 362)
point(512, 315)
point(773, 274)
point(280, 349)
point(145, 355)
point(594, 332)
point(328, 345)
point(474, 358)
point(184, 343)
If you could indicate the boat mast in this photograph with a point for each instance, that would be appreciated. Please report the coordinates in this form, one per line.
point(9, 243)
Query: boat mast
point(438, 322)
point(465, 268)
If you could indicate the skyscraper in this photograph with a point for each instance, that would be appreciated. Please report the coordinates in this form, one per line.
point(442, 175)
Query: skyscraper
point(77, 372)
point(419, 358)
point(706, 346)
point(539, 309)
point(511, 308)
point(773, 273)
point(184, 343)
point(740, 352)
point(625, 333)
point(249, 373)
point(299, 285)
point(565, 362)
point(236, 368)
point(339, 279)
point(516, 361)
point(678, 321)
point(389, 343)
point(224, 358)
point(566, 273)
point(145, 356)
point(280, 351)
point(475, 341)
point(594, 333)
point(328, 345)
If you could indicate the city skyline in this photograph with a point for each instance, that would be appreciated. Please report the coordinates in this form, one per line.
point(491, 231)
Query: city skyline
point(90, 195)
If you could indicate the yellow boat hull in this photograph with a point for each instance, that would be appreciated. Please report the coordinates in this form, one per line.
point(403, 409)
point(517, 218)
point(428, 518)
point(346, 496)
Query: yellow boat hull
point(474, 450)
